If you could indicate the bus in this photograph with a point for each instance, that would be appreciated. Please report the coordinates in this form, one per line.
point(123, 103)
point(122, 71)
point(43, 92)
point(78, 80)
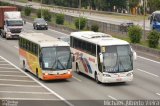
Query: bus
point(155, 20)
point(102, 57)
point(46, 57)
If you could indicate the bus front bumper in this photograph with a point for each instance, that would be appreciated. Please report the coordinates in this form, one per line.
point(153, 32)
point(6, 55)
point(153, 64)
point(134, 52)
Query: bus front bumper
point(56, 77)
point(117, 79)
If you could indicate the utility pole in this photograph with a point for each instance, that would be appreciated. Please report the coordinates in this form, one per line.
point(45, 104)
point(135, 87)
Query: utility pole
point(144, 13)
point(79, 13)
point(41, 8)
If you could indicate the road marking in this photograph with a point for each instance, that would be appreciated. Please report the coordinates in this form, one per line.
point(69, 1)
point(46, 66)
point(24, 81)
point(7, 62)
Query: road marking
point(16, 47)
point(12, 75)
point(16, 80)
point(4, 64)
point(32, 86)
point(149, 59)
point(112, 97)
point(10, 72)
point(6, 68)
point(8, 98)
point(19, 92)
point(148, 73)
point(53, 92)
point(77, 79)
point(158, 94)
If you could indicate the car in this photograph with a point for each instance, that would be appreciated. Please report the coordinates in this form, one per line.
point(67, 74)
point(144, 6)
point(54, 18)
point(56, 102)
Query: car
point(124, 26)
point(66, 39)
point(40, 23)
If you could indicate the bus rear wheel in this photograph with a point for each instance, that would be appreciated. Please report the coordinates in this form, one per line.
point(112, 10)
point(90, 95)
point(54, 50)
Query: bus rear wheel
point(24, 66)
point(77, 68)
point(96, 78)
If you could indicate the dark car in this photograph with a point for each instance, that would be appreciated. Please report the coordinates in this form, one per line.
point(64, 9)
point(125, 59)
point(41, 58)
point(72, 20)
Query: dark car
point(40, 23)
point(124, 26)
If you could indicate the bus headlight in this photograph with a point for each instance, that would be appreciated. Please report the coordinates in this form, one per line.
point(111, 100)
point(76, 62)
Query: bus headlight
point(46, 74)
point(69, 72)
point(106, 75)
point(129, 74)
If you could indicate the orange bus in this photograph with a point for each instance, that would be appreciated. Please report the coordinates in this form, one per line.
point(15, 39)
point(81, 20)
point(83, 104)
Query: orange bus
point(46, 57)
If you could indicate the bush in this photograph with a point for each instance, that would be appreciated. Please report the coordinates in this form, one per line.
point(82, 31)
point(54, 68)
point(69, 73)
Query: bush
point(95, 27)
point(39, 13)
point(135, 34)
point(27, 11)
point(47, 15)
point(153, 39)
point(82, 23)
point(60, 19)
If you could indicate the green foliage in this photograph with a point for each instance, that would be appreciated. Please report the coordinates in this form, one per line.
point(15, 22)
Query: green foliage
point(47, 15)
point(135, 34)
point(153, 39)
point(27, 11)
point(95, 27)
point(39, 13)
point(60, 19)
point(80, 23)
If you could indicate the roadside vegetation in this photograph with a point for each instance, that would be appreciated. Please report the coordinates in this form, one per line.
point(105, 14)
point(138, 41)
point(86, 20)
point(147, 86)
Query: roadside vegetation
point(134, 33)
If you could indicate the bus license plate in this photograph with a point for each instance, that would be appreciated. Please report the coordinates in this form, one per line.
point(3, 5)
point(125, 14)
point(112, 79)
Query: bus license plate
point(119, 79)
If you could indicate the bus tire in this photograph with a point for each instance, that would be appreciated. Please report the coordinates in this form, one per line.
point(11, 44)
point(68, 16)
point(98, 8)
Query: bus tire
point(37, 74)
point(96, 78)
point(77, 69)
point(24, 67)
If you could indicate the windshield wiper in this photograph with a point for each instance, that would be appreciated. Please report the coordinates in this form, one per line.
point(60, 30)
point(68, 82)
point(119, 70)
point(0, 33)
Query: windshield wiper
point(61, 64)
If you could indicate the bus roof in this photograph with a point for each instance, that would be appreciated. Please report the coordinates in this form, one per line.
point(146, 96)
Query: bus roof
point(156, 12)
point(43, 40)
point(98, 38)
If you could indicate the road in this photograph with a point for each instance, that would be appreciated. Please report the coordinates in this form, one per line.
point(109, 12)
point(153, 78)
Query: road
point(18, 85)
point(88, 15)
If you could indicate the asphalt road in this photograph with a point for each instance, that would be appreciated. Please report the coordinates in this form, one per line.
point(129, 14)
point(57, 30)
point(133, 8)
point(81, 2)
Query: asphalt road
point(80, 90)
point(88, 15)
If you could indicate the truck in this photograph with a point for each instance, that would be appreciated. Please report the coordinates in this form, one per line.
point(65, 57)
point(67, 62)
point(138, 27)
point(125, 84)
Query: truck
point(11, 23)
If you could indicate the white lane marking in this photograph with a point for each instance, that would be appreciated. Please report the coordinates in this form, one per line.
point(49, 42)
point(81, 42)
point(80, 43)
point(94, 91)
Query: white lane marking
point(149, 59)
point(6, 68)
point(53, 30)
point(112, 97)
point(2, 39)
point(13, 80)
point(19, 92)
point(77, 79)
point(8, 98)
point(10, 72)
point(53, 92)
point(148, 73)
point(32, 86)
point(16, 47)
point(12, 75)
point(4, 64)
point(158, 94)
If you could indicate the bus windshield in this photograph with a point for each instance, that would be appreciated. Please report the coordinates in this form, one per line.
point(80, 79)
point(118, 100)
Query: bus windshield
point(14, 23)
point(56, 58)
point(117, 59)
point(157, 17)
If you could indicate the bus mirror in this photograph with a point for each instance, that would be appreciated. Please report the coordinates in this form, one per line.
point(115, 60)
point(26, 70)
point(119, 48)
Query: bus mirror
point(149, 17)
point(73, 57)
point(101, 57)
point(134, 55)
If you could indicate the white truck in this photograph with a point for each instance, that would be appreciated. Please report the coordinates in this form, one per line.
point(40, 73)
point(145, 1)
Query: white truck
point(11, 22)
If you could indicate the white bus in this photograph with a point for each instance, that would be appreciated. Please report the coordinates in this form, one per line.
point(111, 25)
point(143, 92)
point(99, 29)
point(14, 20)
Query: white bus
point(46, 57)
point(102, 57)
